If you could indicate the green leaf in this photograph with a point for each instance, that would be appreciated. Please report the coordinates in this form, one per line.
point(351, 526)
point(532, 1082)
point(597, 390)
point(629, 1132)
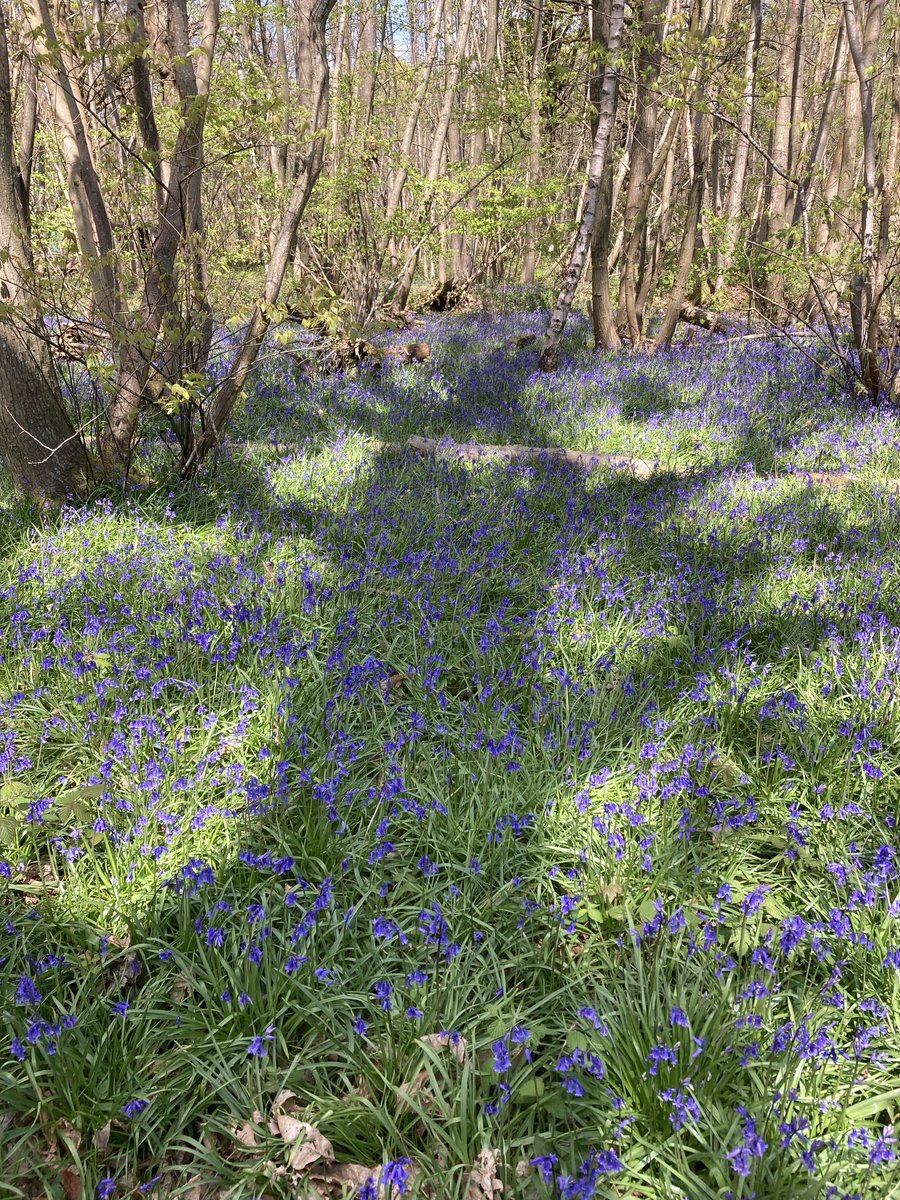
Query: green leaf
point(86, 791)
point(555, 1105)
point(744, 939)
point(13, 792)
point(531, 1089)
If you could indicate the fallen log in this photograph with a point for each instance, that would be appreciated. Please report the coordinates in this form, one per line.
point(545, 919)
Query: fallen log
point(585, 460)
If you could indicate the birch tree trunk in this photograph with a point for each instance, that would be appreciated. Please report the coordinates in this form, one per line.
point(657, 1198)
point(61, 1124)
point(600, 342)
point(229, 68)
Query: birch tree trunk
point(549, 358)
point(606, 336)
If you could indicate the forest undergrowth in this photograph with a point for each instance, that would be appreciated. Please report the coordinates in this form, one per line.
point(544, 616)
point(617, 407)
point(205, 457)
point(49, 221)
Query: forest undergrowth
point(382, 826)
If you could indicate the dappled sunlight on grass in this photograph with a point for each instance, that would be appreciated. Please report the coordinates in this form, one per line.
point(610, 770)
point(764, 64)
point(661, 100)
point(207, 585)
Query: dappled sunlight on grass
point(477, 805)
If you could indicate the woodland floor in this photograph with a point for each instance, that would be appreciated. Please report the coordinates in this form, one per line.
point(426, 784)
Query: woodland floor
point(392, 825)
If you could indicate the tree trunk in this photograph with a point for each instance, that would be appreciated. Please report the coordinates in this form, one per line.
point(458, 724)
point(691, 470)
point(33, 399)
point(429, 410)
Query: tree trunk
point(701, 137)
point(535, 92)
point(365, 65)
point(782, 138)
point(438, 145)
point(92, 224)
point(549, 359)
point(735, 196)
point(314, 92)
point(44, 455)
point(185, 343)
point(864, 302)
point(606, 336)
point(637, 195)
point(398, 176)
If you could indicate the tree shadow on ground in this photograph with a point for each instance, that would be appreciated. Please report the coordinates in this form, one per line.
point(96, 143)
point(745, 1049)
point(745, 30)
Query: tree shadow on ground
point(425, 633)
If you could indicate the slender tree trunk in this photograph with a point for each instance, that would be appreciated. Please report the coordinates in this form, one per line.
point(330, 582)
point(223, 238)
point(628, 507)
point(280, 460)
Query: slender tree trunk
point(606, 335)
point(666, 210)
point(93, 228)
point(365, 64)
point(339, 52)
point(314, 92)
point(782, 137)
point(27, 130)
point(181, 223)
point(864, 302)
point(549, 359)
point(697, 145)
point(701, 137)
point(43, 454)
point(492, 15)
point(735, 196)
point(278, 152)
point(648, 18)
point(438, 145)
point(399, 175)
point(535, 93)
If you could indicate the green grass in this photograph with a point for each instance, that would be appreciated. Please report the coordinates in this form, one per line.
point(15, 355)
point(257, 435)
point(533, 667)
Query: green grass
point(553, 706)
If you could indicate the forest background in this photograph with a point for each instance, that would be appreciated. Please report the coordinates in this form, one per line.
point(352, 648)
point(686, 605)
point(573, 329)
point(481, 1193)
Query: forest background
point(167, 167)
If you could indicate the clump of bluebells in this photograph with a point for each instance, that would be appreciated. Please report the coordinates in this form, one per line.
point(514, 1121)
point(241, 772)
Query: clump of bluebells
point(468, 807)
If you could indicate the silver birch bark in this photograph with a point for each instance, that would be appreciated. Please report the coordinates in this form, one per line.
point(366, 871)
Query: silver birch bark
point(549, 358)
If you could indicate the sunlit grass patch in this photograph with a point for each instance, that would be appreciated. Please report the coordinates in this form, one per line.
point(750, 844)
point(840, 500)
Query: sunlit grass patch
point(483, 808)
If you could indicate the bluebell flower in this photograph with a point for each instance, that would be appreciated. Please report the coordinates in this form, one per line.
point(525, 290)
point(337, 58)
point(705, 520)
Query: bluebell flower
point(27, 992)
point(257, 1047)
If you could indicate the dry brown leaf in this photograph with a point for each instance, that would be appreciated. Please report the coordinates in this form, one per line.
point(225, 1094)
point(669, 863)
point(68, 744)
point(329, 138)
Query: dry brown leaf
point(407, 1092)
point(286, 1127)
point(483, 1181)
point(127, 971)
point(181, 989)
point(196, 1191)
point(71, 1134)
point(337, 1180)
point(286, 1100)
point(245, 1136)
point(71, 1183)
point(101, 1138)
point(437, 1041)
point(389, 687)
point(361, 1088)
point(314, 1145)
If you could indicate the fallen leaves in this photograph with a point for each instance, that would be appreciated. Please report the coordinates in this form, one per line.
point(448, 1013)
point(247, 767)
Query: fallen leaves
point(483, 1180)
point(309, 1145)
point(438, 1041)
point(71, 1183)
